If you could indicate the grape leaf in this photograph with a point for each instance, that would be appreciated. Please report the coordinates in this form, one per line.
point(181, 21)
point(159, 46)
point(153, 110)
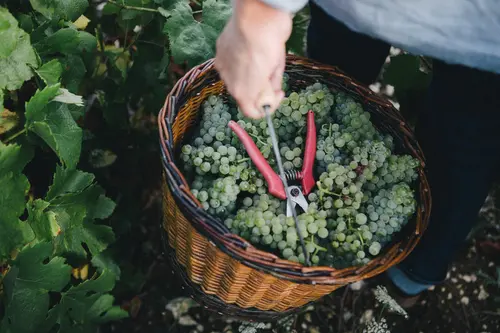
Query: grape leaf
point(190, 41)
point(66, 9)
point(54, 123)
point(87, 304)
point(50, 72)
point(216, 13)
point(297, 41)
point(17, 56)
point(67, 41)
point(15, 232)
point(43, 223)
point(75, 201)
point(33, 275)
point(8, 33)
point(14, 187)
point(74, 72)
point(68, 181)
point(14, 157)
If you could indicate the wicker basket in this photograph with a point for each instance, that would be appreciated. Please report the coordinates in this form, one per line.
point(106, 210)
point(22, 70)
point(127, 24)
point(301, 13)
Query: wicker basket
point(225, 266)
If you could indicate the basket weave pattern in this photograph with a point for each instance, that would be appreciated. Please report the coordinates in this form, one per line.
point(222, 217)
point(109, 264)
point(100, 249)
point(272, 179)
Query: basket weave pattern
point(225, 265)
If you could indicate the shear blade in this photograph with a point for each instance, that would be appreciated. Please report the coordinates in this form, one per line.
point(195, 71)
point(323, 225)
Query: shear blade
point(297, 198)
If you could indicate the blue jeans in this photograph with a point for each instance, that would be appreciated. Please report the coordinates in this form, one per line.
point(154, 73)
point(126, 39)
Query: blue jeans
point(458, 129)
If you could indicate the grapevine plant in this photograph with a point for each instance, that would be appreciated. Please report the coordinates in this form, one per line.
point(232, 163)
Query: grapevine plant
point(81, 82)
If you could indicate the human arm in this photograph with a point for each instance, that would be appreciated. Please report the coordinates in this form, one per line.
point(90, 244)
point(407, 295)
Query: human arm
point(251, 52)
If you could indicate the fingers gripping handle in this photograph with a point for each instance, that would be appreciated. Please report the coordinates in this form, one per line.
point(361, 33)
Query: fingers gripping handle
point(309, 155)
point(274, 183)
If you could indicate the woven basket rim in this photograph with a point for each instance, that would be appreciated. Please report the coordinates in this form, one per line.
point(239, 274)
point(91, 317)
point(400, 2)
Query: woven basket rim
point(244, 251)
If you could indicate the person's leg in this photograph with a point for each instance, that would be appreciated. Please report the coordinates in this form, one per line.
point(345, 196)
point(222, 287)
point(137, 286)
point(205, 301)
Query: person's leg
point(460, 137)
point(331, 42)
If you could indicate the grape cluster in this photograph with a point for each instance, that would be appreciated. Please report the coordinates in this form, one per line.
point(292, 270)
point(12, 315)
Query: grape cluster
point(363, 194)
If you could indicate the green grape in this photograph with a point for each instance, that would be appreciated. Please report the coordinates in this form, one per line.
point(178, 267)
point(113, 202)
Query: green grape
point(341, 237)
point(323, 233)
point(289, 155)
point(312, 228)
point(197, 161)
point(364, 196)
point(361, 218)
point(374, 248)
point(203, 196)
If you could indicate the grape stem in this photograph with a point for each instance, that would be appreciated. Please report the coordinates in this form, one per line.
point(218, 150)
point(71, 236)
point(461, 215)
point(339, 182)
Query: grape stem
point(141, 9)
point(258, 138)
point(243, 160)
point(361, 239)
point(323, 191)
point(349, 225)
point(316, 246)
point(266, 148)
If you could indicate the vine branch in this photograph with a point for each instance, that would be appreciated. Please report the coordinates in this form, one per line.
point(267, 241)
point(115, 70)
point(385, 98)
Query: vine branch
point(142, 9)
point(15, 135)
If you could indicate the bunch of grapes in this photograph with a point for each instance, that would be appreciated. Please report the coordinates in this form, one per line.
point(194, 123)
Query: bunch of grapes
point(362, 198)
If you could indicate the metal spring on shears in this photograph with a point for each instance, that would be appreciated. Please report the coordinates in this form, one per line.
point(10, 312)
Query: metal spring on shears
point(293, 175)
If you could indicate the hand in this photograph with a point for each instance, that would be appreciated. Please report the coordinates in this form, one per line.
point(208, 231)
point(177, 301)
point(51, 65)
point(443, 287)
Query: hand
point(251, 55)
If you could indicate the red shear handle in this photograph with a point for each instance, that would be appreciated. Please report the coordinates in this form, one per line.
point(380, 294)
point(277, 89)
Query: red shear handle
point(274, 182)
point(309, 155)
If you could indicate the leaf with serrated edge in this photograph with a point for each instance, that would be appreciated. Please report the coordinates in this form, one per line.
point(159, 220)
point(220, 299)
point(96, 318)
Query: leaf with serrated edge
point(43, 223)
point(54, 123)
point(74, 214)
point(74, 72)
point(68, 181)
point(67, 41)
point(87, 302)
point(33, 275)
point(14, 157)
point(14, 187)
point(17, 56)
point(50, 72)
point(216, 13)
point(296, 42)
point(190, 41)
point(66, 9)
point(15, 233)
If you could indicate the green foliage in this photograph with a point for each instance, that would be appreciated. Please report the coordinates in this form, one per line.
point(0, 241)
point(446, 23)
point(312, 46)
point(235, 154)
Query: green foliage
point(17, 56)
point(190, 40)
point(81, 92)
point(65, 9)
point(15, 186)
point(53, 122)
point(297, 41)
point(50, 72)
